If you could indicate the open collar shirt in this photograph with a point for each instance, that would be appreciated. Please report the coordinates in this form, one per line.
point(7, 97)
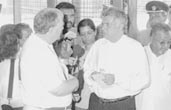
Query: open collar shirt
point(41, 72)
point(158, 95)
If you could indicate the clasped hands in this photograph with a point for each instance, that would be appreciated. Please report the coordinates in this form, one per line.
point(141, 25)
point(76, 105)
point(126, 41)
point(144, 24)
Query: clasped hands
point(103, 78)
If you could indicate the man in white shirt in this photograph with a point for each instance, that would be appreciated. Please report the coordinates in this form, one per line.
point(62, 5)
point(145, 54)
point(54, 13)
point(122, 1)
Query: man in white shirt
point(45, 79)
point(116, 67)
point(158, 95)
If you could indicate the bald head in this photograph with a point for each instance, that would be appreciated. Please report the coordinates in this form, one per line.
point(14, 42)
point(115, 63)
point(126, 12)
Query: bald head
point(161, 38)
point(160, 27)
point(115, 13)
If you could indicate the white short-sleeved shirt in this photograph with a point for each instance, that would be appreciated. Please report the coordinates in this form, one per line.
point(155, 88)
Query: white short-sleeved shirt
point(41, 72)
point(126, 59)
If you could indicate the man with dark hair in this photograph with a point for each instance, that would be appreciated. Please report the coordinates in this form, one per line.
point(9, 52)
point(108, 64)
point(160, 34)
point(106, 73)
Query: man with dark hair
point(69, 31)
point(65, 5)
point(69, 37)
point(69, 12)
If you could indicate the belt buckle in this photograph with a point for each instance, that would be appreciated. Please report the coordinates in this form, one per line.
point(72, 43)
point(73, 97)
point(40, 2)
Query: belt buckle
point(106, 100)
point(114, 100)
point(123, 98)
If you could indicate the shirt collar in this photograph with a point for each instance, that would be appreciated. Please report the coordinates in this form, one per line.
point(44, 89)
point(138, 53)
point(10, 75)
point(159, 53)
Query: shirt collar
point(118, 42)
point(153, 55)
point(42, 41)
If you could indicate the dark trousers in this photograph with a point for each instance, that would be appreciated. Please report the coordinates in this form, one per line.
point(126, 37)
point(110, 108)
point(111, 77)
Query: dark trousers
point(18, 108)
point(97, 104)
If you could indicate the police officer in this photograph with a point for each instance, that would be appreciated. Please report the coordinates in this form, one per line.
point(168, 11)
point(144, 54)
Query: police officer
point(158, 12)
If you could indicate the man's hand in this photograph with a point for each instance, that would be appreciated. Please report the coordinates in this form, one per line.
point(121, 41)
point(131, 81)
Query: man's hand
point(72, 60)
point(96, 76)
point(66, 50)
point(109, 79)
point(103, 79)
point(71, 34)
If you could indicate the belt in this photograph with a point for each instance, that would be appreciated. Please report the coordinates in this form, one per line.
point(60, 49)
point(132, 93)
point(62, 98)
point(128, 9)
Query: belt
point(114, 100)
point(39, 108)
point(58, 108)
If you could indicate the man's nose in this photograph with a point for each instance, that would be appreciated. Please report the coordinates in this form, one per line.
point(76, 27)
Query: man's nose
point(69, 19)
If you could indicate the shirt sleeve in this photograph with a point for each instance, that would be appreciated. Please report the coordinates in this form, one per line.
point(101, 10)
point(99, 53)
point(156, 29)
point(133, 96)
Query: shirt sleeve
point(140, 79)
point(90, 65)
point(35, 77)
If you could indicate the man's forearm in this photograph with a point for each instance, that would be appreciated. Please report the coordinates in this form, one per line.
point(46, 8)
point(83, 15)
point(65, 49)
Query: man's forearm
point(67, 87)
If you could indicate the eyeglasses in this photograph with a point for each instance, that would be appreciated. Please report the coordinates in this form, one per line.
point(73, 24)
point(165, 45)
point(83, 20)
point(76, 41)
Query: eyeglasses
point(89, 33)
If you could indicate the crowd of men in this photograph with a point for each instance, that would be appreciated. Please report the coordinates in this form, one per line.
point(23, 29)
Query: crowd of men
point(65, 65)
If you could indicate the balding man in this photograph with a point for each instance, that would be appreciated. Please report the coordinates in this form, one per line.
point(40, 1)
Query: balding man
point(158, 95)
point(116, 66)
point(47, 84)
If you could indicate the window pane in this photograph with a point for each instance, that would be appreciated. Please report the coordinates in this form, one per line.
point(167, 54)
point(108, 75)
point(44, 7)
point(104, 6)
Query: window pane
point(6, 13)
point(29, 9)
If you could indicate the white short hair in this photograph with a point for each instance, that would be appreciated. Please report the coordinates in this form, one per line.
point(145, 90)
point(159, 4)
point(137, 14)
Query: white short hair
point(45, 19)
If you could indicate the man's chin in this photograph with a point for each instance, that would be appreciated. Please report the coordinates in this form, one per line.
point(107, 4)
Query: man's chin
point(163, 52)
point(69, 25)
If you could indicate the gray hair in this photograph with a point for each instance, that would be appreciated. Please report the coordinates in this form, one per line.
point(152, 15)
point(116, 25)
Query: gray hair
point(45, 19)
point(160, 27)
point(116, 13)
